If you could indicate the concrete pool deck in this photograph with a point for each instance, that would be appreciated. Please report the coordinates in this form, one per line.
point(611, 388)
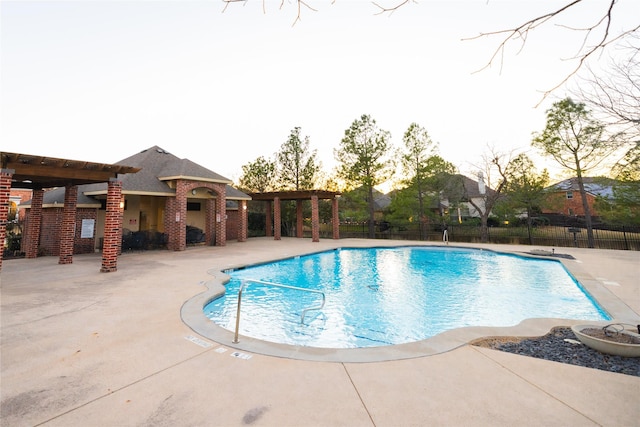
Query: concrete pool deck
point(80, 347)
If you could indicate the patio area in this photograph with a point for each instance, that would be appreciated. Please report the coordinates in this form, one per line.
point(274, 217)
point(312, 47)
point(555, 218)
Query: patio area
point(80, 347)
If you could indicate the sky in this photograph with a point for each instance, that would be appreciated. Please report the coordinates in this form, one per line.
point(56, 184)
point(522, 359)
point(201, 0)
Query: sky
point(103, 80)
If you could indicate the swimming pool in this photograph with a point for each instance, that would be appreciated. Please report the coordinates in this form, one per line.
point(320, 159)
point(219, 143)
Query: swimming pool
point(387, 296)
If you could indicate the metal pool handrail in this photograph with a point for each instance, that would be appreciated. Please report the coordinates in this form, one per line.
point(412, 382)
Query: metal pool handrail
point(245, 282)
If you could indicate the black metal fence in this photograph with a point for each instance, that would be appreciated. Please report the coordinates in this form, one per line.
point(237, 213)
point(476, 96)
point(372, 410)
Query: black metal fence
point(611, 237)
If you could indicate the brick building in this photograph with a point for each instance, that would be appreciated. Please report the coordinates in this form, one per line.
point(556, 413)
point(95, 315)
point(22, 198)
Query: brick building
point(160, 203)
point(564, 196)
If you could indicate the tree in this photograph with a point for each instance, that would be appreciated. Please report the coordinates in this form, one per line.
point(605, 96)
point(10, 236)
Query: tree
point(258, 176)
point(418, 146)
point(614, 95)
point(494, 169)
point(625, 206)
point(354, 205)
point(525, 189)
point(364, 159)
point(296, 169)
point(437, 180)
point(306, 4)
point(614, 92)
point(297, 166)
point(628, 168)
point(442, 177)
point(576, 141)
point(601, 31)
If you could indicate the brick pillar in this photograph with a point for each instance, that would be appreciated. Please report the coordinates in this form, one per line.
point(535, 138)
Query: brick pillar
point(269, 218)
point(68, 226)
point(243, 221)
point(210, 218)
point(5, 192)
point(179, 219)
point(169, 223)
point(277, 226)
point(299, 221)
point(315, 219)
point(34, 221)
point(335, 218)
point(221, 216)
point(112, 244)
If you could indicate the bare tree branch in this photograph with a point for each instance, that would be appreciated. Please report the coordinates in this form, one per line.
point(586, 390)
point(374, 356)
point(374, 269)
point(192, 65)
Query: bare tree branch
point(615, 93)
point(301, 3)
point(521, 32)
point(390, 10)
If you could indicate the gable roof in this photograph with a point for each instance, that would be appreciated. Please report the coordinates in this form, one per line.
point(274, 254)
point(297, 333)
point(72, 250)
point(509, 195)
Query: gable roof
point(156, 168)
point(380, 201)
point(596, 186)
point(235, 194)
point(471, 188)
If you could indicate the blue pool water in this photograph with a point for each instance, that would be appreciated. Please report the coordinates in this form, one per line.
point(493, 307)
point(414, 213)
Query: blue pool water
point(386, 296)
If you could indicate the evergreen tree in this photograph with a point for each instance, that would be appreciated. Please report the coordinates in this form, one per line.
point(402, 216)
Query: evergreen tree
point(365, 159)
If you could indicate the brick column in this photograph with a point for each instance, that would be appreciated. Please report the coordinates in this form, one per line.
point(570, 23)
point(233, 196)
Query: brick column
point(242, 221)
point(299, 221)
point(335, 218)
point(210, 220)
point(34, 221)
point(169, 222)
point(221, 216)
point(68, 226)
point(112, 245)
point(5, 192)
point(315, 219)
point(178, 220)
point(277, 226)
point(268, 218)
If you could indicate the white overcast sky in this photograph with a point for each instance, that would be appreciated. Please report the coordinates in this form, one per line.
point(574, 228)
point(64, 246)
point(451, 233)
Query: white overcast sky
point(103, 80)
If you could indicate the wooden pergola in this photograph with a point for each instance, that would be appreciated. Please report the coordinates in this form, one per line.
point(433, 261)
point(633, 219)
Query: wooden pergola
point(273, 200)
point(38, 173)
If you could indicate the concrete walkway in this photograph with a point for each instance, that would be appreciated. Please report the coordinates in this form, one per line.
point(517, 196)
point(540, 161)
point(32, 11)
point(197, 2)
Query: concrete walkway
point(84, 348)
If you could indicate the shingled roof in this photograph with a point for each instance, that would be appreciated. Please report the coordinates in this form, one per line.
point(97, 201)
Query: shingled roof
point(157, 167)
point(597, 186)
point(459, 185)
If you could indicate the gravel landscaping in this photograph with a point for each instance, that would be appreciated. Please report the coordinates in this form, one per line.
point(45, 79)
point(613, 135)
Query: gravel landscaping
point(561, 345)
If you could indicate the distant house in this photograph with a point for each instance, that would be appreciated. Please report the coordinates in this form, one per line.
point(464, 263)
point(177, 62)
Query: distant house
point(381, 202)
point(454, 200)
point(169, 201)
point(459, 191)
point(16, 198)
point(564, 196)
point(354, 204)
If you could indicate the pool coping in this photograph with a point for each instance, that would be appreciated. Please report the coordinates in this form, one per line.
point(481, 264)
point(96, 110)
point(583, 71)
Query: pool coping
point(192, 315)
